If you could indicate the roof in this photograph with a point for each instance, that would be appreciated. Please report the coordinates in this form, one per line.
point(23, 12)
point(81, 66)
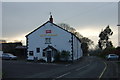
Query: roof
point(21, 47)
point(50, 47)
point(56, 26)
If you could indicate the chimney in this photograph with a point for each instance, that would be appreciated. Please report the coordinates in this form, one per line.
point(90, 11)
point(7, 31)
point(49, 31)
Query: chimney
point(51, 19)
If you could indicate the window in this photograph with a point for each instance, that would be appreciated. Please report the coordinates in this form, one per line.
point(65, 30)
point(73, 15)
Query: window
point(37, 50)
point(44, 54)
point(47, 40)
point(31, 53)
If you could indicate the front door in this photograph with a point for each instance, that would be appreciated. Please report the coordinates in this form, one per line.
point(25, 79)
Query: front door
point(48, 56)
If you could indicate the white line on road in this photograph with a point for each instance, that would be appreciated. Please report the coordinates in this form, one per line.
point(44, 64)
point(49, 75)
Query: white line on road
point(67, 64)
point(82, 67)
point(64, 74)
point(103, 70)
point(41, 63)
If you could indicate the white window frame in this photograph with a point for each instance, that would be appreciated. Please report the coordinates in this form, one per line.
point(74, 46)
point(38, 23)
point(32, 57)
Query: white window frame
point(47, 40)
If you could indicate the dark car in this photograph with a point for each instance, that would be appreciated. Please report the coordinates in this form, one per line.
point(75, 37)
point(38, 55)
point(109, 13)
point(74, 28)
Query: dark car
point(8, 56)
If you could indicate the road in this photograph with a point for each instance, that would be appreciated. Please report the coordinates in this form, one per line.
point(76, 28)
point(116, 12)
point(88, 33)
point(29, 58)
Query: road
point(0, 68)
point(87, 67)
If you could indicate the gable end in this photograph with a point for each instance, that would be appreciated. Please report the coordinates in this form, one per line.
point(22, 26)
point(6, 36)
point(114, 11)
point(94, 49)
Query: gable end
point(56, 26)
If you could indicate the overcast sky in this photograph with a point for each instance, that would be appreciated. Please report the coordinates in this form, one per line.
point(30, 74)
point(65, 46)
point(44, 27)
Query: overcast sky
point(89, 18)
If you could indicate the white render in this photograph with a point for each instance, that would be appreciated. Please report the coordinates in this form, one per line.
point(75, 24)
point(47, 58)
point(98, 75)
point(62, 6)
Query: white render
point(60, 40)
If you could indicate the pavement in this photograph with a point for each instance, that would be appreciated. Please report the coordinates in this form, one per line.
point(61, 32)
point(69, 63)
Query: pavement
point(87, 67)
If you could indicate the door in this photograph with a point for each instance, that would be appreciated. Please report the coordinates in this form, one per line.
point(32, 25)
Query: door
point(48, 56)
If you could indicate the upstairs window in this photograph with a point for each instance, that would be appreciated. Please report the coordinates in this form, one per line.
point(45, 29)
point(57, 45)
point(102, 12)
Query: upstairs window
point(47, 40)
point(37, 50)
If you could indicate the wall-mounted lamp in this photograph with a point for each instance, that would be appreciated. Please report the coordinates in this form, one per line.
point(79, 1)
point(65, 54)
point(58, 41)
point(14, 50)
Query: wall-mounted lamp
point(70, 41)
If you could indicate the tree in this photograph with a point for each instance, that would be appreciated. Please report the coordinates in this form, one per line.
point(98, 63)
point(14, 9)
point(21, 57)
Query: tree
point(78, 35)
point(85, 48)
point(104, 41)
point(67, 27)
point(86, 42)
point(64, 26)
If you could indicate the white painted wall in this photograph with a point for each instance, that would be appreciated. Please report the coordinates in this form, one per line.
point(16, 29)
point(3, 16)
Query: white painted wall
point(60, 42)
point(77, 51)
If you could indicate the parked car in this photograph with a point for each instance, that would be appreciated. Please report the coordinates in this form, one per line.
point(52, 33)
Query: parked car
point(1, 52)
point(112, 57)
point(29, 59)
point(8, 56)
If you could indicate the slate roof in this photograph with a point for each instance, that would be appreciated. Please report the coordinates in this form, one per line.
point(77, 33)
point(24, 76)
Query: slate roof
point(50, 47)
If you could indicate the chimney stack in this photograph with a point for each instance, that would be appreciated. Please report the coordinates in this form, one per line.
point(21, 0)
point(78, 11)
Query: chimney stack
point(51, 19)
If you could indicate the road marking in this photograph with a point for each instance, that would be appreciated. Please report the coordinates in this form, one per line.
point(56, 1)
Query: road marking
point(67, 64)
point(103, 70)
point(82, 67)
point(41, 63)
point(64, 74)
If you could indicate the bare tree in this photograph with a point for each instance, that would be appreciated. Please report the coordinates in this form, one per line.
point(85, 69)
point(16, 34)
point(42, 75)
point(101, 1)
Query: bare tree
point(86, 42)
point(64, 26)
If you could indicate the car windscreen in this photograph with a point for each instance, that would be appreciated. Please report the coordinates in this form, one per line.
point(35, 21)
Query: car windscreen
point(113, 55)
point(10, 55)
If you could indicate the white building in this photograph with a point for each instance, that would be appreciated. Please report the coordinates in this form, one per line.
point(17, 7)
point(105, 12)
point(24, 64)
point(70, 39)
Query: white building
point(49, 39)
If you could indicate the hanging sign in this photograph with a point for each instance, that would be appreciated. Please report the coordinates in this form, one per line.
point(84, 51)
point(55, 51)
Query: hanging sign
point(42, 35)
point(48, 31)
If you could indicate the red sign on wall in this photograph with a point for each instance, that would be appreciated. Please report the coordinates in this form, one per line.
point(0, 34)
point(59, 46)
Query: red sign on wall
point(48, 31)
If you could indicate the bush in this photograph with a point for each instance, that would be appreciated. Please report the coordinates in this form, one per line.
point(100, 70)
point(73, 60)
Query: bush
point(95, 52)
point(106, 51)
point(64, 55)
point(57, 57)
point(41, 60)
point(110, 50)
